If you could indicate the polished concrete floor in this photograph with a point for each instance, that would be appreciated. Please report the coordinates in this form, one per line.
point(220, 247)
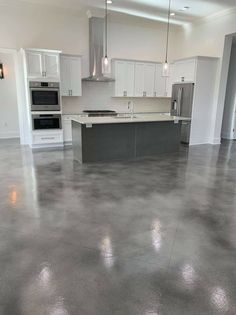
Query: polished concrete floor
point(151, 237)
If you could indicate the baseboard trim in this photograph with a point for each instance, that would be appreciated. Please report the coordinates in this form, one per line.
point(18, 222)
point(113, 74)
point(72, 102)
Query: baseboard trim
point(216, 141)
point(9, 135)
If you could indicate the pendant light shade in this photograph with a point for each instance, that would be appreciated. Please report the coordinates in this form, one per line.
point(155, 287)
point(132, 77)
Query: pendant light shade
point(106, 63)
point(166, 66)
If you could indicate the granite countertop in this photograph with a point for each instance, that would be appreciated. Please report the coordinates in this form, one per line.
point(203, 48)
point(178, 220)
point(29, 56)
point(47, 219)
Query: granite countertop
point(127, 118)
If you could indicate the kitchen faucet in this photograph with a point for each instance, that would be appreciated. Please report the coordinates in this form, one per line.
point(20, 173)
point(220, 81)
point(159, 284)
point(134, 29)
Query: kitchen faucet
point(131, 108)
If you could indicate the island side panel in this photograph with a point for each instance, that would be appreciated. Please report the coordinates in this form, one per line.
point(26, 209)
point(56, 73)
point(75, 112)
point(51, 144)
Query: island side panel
point(157, 137)
point(104, 142)
point(77, 141)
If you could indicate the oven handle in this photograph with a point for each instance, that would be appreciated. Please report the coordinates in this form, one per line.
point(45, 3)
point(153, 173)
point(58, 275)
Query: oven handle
point(44, 89)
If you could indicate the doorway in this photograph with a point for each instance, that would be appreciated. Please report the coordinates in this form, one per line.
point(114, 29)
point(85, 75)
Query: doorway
point(229, 117)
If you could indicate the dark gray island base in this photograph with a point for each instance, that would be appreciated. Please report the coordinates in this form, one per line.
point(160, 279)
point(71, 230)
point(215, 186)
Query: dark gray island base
point(123, 141)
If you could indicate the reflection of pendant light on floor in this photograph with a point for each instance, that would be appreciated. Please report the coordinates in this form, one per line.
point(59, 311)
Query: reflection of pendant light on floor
point(106, 65)
point(166, 66)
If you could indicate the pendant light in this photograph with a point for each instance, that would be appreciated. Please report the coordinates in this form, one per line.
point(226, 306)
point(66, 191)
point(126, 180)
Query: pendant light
point(106, 64)
point(166, 66)
point(1, 71)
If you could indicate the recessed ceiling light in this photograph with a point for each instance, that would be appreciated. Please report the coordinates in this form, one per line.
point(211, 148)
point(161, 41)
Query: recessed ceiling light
point(172, 14)
point(109, 1)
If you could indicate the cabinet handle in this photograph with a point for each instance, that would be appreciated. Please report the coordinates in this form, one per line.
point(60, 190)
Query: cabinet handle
point(155, 94)
point(144, 94)
point(48, 138)
point(125, 93)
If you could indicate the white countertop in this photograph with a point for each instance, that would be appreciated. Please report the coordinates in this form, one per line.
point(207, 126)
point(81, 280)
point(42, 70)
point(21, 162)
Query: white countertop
point(127, 118)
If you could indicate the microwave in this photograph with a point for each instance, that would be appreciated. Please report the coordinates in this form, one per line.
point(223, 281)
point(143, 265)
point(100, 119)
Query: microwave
point(45, 96)
point(45, 122)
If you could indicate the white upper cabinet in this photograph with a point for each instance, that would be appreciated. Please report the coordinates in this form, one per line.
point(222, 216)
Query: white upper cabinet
point(71, 76)
point(144, 79)
point(34, 60)
point(160, 82)
point(124, 78)
point(42, 65)
point(185, 70)
point(169, 81)
point(51, 65)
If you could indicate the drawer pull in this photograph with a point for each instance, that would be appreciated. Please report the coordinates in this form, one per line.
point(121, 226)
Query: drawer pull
point(48, 138)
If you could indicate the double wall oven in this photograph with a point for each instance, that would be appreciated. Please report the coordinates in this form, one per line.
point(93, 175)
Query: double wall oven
point(45, 96)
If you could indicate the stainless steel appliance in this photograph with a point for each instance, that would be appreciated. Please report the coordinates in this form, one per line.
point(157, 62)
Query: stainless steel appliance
point(100, 113)
point(46, 121)
point(45, 96)
point(181, 105)
point(96, 50)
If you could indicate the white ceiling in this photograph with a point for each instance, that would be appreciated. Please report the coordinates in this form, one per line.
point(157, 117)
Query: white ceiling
point(150, 9)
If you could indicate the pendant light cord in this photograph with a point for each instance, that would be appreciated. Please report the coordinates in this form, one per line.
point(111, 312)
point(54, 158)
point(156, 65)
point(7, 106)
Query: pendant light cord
point(106, 29)
point(168, 32)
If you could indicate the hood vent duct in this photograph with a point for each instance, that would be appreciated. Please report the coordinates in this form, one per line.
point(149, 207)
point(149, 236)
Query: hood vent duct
point(96, 50)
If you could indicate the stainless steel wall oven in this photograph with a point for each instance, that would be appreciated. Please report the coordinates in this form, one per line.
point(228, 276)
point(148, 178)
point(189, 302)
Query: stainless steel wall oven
point(45, 96)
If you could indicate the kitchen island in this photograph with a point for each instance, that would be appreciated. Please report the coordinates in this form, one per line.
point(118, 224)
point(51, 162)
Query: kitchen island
point(125, 136)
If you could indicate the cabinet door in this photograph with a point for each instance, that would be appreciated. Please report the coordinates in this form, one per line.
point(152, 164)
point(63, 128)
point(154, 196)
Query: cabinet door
point(149, 79)
point(139, 87)
point(67, 130)
point(169, 82)
point(129, 78)
point(34, 62)
point(160, 82)
point(75, 76)
point(65, 76)
point(51, 65)
point(124, 78)
point(184, 71)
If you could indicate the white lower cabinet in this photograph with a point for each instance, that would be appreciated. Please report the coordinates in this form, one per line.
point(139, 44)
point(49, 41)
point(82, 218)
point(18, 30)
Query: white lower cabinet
point(47, 138)
point(67, 128)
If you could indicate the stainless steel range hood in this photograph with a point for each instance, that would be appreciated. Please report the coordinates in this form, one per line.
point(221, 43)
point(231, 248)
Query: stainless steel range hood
point(96, 50)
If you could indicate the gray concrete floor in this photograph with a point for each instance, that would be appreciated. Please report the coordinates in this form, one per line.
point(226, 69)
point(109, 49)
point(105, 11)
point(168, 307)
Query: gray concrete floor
point(150, 237)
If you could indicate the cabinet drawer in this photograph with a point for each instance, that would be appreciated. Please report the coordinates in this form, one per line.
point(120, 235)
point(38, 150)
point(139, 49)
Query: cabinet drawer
point(47, 138)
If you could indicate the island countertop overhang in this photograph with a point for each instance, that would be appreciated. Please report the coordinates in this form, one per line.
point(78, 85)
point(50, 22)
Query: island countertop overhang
point(135, 118)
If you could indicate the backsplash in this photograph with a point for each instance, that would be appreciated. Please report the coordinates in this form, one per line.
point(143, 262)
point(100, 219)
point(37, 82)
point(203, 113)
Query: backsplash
point(99, 96)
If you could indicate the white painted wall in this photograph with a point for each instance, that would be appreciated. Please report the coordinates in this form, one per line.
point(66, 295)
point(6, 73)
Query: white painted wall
point(37, 26)
point(230, 100)
point(98, 96)
point(9, 125)
point(206, 37)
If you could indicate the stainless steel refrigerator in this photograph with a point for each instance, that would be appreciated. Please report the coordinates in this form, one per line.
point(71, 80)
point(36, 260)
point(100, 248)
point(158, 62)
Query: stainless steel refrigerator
point(181, 105)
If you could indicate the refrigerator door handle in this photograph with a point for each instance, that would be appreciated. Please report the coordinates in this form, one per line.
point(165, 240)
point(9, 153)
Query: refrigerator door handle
point(180, 94)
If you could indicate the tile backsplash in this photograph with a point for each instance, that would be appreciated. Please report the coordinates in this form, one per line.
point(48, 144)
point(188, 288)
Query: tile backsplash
point(98, 95)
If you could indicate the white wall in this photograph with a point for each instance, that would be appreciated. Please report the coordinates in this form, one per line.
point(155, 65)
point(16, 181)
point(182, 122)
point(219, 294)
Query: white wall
point(9, 126)
point(230, 100)
point(206, 37)
point(98, 96)
point(36, 26)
